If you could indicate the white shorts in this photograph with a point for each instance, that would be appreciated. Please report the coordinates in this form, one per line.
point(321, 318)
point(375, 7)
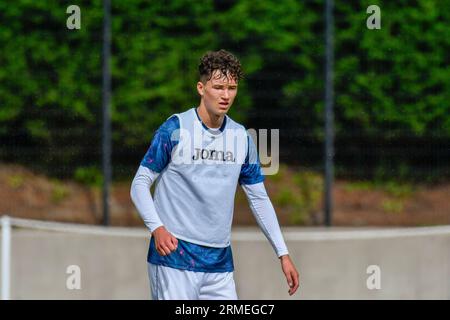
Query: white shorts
point(175, 284)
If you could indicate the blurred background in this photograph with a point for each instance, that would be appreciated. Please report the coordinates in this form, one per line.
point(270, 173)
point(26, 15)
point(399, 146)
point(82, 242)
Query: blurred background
point(391, 106)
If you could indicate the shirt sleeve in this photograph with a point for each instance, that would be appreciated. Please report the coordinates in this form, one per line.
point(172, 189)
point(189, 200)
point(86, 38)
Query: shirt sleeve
point(164, 141)
point(265, 216)
point(142, 198)
point(251, 171)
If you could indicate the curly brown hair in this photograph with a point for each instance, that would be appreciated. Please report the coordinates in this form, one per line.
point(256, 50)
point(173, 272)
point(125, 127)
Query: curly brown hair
point(221, 60)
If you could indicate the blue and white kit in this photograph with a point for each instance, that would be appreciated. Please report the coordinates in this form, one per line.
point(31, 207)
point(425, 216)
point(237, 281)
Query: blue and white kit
point(196, 170)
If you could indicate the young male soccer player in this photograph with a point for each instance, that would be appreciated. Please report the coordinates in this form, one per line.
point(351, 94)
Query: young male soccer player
point(197, 158)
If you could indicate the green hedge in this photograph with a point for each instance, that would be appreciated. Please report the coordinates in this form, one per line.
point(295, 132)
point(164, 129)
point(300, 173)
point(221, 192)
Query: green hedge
point(388, 82)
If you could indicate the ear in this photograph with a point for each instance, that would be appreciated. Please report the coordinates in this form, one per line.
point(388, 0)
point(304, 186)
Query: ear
point(200, 88)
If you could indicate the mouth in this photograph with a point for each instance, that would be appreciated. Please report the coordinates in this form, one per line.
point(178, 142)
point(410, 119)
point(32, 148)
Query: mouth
point(224, 104)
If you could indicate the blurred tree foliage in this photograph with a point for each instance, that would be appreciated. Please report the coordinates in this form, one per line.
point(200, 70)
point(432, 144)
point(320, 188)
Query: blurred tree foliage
point(388, 83)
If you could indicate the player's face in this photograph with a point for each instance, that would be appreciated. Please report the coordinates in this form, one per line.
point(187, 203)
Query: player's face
point(218, 93)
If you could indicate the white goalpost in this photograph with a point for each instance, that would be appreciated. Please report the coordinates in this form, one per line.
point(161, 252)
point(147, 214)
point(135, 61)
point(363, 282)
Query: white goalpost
point(6, 257)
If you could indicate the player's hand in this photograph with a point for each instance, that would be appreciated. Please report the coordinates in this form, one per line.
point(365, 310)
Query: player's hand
point(164, 241)
point(291, 273)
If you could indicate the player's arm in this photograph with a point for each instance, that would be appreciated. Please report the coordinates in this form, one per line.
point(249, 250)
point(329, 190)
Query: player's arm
point(266, 218)
point(142, 198)
point(140, 194)
point(154, 162)
point(252, 182)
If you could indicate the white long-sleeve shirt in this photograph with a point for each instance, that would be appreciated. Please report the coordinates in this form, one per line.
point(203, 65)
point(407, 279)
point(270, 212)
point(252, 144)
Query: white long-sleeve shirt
point(196, 170)
point(258, 199)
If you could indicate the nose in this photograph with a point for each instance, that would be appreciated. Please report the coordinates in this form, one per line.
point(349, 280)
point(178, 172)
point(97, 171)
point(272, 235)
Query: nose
point(226, 94)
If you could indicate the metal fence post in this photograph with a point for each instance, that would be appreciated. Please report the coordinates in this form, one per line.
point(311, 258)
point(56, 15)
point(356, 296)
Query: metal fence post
point(329, 116)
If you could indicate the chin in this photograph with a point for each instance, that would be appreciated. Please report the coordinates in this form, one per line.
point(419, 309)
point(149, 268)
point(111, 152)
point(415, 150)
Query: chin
point(223, 110)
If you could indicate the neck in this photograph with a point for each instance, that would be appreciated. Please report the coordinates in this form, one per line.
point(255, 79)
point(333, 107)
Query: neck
point(209, 119)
